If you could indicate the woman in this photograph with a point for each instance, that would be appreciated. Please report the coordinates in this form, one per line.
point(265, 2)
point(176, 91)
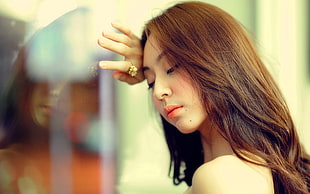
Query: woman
point(226, 123)
point(50, 113)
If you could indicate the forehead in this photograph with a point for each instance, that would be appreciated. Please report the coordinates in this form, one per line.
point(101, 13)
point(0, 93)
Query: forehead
point(152, 52)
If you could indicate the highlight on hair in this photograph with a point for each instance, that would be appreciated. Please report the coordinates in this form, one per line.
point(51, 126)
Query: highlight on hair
point(239, 94)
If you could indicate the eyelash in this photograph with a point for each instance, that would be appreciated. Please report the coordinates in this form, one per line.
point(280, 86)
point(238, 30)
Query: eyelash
point(150, 85)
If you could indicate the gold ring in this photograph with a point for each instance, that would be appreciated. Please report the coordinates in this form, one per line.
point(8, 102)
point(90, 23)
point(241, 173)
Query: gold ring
point(133, 70)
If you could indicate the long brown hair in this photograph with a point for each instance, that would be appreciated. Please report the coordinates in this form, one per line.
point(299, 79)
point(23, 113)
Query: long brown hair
point(239, 94)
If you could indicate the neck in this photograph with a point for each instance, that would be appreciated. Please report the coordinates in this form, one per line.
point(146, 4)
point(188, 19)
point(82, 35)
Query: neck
point(214, 145)
point(34, 137)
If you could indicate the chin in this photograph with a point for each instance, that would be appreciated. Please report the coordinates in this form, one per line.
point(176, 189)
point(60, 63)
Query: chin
point(44, 124)
point(187, 130)
point(185, 127)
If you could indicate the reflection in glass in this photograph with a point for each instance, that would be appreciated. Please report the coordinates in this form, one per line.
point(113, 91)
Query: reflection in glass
point(56, 112)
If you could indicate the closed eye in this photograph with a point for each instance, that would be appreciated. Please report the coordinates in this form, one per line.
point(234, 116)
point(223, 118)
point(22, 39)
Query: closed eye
point(172, 69)
point(150, 85)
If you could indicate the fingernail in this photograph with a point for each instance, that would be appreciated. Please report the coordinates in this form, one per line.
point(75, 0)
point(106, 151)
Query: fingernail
point(115, 24)
point(107, 34)
point(102, 64)
point(116, 76)
point(101, 40)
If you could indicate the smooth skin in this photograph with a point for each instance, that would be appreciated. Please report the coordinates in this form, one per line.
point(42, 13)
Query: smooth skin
point(128, 45)
point(222, 172)
point(173, 94)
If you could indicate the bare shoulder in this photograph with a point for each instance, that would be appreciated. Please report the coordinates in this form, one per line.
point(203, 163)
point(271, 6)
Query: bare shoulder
point(229, 174)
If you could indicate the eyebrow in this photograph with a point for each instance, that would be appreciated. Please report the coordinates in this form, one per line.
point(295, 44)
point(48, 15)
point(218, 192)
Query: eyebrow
point(158, 58)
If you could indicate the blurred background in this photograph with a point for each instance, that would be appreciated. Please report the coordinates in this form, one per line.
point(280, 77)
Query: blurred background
point(281, 31)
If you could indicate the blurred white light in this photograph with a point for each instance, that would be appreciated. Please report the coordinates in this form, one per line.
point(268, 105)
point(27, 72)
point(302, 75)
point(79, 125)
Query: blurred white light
point(19, 9)
point(49, 10)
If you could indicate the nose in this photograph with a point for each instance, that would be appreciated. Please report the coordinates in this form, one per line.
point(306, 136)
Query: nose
point(161, 90)
point(55, 90)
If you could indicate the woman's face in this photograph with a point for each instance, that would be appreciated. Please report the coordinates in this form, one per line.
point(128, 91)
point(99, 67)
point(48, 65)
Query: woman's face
point(173, 93)
point(63, 98)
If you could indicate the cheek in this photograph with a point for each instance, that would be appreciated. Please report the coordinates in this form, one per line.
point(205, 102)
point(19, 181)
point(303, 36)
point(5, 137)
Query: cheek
point(158, 105)
point(39, 92)
point(85, 101)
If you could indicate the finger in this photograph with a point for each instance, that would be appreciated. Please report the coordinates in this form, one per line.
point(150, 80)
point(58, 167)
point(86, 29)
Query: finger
point(117, 37)
point(132, 40)
point(122, 66)
point(124, 77)
point(127, 37)
point(116, 47)
point(124, 30)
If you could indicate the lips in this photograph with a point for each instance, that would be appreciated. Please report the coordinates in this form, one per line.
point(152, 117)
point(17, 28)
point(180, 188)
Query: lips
point(49, 109)
point(46, 109)
point(172, 110)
